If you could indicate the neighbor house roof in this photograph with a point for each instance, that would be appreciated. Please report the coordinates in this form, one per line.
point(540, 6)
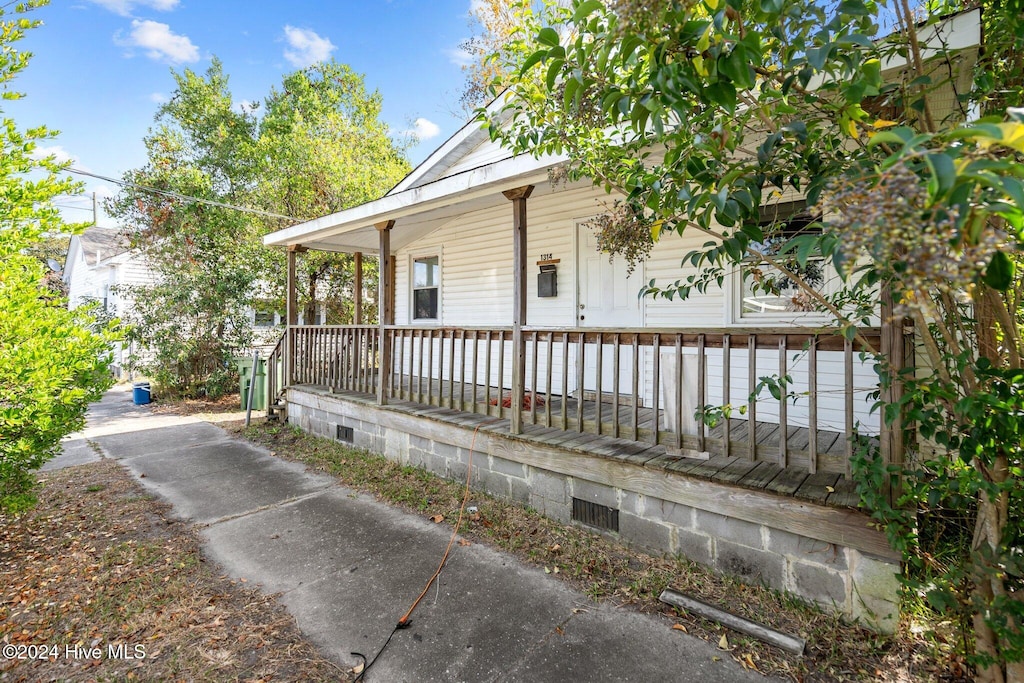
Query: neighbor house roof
point(101, 243)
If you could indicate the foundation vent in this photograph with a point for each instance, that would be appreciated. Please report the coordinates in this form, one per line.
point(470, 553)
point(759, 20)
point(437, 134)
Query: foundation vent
point(346, 434)
point(597, 516)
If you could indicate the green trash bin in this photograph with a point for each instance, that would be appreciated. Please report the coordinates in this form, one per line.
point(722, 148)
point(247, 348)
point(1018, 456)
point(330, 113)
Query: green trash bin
point(259, 401)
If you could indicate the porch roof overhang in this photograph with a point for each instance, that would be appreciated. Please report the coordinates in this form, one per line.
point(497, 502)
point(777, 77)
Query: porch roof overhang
point(417, 211)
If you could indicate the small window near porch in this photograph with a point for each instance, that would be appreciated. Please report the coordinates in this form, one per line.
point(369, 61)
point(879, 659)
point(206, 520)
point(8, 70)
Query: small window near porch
point(426, 287)
point(765, 291)
point(264, 318)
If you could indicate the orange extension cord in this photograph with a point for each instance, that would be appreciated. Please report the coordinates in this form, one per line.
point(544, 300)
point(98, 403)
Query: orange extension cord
point(405, 621)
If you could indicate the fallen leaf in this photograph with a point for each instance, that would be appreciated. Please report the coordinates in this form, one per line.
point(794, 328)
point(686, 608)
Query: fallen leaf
point(723, 642)
point(559, 631)
point(358, 668)
point(750, 662)
point(437, 519)
point(716, 659)
point(546, 570)
point(679, 627)
point(463, 542)
point(830, 489)
point(555, 570)
point(475, 517)
point(555, 548)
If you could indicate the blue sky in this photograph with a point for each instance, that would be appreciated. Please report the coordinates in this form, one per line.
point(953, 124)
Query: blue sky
point(101, 67)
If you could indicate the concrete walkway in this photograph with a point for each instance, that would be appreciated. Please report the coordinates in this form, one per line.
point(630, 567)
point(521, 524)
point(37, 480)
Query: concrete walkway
point(348, 567)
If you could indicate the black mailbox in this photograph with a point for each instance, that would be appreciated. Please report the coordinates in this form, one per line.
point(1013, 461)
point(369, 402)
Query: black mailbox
point(547, 282)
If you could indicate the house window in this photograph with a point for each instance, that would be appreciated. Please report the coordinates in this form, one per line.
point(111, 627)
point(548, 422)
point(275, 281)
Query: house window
point(426, 287)
point(765, 290)
point(264, 318)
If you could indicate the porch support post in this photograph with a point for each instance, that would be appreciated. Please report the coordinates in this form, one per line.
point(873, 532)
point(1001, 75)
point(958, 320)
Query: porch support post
point(385, 312)
point(357, 288)
point(291, 313)
point(892, 437)
point(518, 197)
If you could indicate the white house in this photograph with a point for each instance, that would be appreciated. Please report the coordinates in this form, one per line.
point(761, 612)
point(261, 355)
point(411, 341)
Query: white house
point(506, 331)
point(98, 264)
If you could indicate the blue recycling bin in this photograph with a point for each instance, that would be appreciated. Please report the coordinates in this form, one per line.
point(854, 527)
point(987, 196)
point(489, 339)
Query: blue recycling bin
point(140, 393)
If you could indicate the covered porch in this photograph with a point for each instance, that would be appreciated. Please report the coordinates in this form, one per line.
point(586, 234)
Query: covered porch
point(574, 394)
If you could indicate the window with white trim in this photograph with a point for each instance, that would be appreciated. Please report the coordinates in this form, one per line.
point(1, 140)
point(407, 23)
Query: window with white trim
point(764, 290)
point(426, 288)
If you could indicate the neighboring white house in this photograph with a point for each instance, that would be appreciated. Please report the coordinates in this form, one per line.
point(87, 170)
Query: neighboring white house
point(98, 264)
point(98, 267)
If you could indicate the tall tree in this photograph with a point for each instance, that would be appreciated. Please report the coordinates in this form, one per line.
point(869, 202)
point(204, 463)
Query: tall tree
point(314, 147)
point(52, 362)
point(204, 254)
point(494, 24)
point(700, 114)
point(330, 151)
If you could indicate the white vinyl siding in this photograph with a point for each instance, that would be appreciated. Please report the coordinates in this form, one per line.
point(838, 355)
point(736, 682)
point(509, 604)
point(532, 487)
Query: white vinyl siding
point(476, 263)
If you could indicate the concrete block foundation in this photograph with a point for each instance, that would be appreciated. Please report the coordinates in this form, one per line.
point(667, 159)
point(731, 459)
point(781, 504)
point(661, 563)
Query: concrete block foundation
point(824, 555)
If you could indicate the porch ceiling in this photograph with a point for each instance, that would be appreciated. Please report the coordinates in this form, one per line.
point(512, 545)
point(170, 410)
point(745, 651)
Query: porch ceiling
point(416, 211)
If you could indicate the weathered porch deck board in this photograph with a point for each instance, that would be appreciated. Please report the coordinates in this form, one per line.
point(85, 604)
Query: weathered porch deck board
point(633, 423)
point(763, 474)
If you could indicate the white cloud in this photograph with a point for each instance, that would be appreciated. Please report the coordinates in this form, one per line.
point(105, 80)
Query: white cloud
point(158, 98)
point(59, 154)
point(245, 106)
point(459, 57)
point(424, 129)
point(125, 7)
point(307, 48)
point(160, 42)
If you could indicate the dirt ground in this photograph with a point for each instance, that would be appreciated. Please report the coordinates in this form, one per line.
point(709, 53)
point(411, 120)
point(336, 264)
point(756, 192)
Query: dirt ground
point(99, 583)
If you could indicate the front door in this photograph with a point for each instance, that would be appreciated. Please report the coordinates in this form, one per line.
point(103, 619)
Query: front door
point(607, 299)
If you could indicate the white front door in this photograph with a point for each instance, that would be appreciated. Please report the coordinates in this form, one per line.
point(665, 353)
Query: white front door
point(607, 298)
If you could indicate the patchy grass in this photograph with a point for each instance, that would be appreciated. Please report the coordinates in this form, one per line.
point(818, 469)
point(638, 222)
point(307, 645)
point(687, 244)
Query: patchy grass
point(100, 564)
point(604, 569)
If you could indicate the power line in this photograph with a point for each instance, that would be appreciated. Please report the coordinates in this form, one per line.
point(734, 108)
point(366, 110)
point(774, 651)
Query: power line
point(175, 195)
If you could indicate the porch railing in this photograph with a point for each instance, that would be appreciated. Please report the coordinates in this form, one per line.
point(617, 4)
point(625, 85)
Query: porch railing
point(343, 357)
point(641, 385)
point(275, 373)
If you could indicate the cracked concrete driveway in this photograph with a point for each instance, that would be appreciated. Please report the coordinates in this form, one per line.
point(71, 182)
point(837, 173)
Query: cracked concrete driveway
point(348, 567)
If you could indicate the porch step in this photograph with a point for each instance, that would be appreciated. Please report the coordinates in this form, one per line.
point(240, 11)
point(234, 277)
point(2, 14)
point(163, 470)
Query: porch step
point(278, 409)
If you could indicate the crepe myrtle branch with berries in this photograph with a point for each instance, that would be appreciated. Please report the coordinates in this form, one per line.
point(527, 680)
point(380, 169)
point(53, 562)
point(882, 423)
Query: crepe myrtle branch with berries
point(700, 114)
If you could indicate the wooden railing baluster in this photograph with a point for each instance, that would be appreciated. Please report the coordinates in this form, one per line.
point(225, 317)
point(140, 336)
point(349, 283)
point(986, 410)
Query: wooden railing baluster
point(726, 381)
point(598, 385)
point(655, 394)
point(702, 388)
point(580, 355)
point(635, 389)
point(812, 406)
point(616, 371)
point(783, 405)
